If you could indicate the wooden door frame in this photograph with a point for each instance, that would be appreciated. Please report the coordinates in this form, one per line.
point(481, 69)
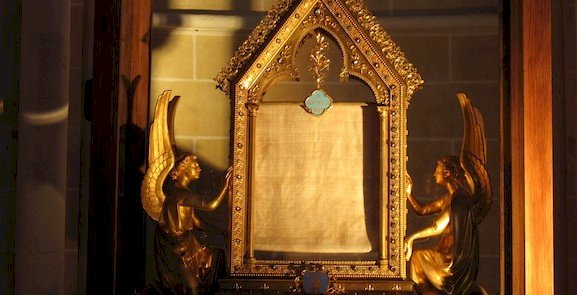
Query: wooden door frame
point(119, 117)
point(122, 53)
point(527, 130)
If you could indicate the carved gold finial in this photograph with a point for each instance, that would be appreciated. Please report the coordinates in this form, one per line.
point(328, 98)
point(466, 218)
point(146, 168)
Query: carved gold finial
point(320, 62)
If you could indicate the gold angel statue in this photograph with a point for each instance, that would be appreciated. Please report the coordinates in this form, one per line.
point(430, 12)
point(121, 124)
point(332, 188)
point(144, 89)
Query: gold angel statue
point(451, 266)
point(183, 264)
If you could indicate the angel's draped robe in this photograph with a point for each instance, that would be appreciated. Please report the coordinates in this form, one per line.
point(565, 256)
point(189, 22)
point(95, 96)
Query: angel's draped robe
point(182, 262)
point(452, 265)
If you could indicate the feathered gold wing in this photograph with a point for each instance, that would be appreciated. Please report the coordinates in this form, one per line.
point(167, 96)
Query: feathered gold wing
point(474, 159)
point(160, 158)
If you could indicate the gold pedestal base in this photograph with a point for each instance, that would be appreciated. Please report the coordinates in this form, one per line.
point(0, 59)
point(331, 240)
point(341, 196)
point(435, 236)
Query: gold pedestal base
point(282, 286)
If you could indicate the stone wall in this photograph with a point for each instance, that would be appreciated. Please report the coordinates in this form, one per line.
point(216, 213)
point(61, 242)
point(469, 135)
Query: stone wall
point(78, 148)
point(454, 45)
point(42, 56)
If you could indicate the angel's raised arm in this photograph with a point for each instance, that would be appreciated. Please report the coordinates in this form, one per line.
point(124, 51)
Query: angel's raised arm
point(433, 207)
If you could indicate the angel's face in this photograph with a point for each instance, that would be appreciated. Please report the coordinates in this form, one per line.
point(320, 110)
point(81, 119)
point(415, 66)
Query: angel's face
point(193, 171)
point(439, 174)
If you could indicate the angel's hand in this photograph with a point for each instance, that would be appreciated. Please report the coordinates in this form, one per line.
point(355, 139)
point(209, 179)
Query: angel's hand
point(408, 247)
point(408, 184)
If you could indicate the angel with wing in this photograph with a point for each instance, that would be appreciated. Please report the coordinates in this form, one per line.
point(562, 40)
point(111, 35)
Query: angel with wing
point(451, 266)
point(184, 265)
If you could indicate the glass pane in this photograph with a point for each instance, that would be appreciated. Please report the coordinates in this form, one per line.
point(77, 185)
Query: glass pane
point(453, 44)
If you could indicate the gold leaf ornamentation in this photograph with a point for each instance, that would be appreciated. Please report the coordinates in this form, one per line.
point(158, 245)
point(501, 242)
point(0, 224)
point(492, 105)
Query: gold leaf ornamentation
point(320, 63)
point(252, 44)
point(369, 54)
point(390, 49)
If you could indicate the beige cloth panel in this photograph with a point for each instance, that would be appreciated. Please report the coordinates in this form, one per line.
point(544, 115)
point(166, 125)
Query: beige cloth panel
point(308, 192)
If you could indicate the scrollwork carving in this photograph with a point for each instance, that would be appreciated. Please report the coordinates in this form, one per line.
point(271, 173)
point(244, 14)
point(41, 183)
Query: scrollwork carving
point(320, 17)
point(251, 45)
point(390, 49)
point(284, 64)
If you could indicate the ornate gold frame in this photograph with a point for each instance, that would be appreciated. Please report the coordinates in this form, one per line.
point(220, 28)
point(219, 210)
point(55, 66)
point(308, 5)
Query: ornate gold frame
point(268, 56)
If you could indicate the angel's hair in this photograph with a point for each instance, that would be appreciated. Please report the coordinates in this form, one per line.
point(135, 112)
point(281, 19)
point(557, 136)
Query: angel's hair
point(452, 164)
point(182, 165)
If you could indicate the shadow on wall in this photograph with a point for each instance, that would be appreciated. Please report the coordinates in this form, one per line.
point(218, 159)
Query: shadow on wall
point(162, 39)
point(132, 159)
point(211, 176)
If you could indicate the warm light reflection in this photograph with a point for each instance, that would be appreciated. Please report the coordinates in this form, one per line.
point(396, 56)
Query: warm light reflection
point(46, 118)
point(254, 5)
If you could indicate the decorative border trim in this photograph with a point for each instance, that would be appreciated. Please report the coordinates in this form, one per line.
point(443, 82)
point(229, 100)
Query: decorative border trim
point(252, 44)
point(384, 69)
point(360, 12)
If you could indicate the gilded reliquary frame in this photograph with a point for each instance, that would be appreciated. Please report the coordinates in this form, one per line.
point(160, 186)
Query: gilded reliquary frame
point(369, 54)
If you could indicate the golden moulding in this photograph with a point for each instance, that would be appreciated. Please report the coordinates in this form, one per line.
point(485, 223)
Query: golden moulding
point(267, 56)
